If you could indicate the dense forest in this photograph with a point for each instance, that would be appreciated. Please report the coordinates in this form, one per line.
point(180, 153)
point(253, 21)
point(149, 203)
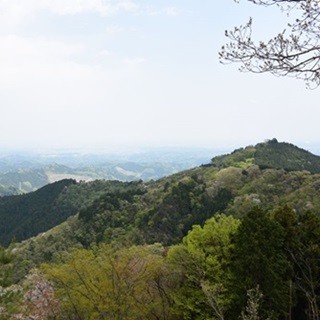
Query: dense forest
point(238, 238)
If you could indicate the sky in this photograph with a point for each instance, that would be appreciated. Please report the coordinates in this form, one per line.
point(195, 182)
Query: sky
point(107, 73)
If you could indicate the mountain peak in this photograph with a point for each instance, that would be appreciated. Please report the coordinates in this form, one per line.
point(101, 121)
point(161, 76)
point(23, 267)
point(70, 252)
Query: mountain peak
point(271, 154)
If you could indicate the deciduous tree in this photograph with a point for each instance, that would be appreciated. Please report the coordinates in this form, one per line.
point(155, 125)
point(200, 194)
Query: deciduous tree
point(200, 264)
point(293, 52)
point(128, 284)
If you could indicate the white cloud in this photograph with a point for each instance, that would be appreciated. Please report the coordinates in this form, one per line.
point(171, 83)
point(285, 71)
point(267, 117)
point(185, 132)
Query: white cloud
point(171, 11)
point(167, 11)
point(103, 53)
point(114, 29)
point(129, 6)
point(71, 7)
point(16, 10)
point(16, 51)
point(134, 61)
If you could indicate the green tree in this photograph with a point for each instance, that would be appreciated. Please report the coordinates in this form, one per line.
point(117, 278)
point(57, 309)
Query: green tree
point(6, 267)
point(302, 245)
point(9, 298)
point(306, 260)
point(289, 221)
point(200, 267)
point(128, 284)
point(259, 259)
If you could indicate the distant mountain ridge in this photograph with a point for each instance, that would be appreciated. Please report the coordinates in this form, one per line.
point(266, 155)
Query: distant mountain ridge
point(83, 230)
point(271, 154)
point(269, 173)
point(24, 180)
point(28, 171)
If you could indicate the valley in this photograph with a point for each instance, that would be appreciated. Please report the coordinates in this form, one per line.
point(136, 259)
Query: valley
point(29, 172)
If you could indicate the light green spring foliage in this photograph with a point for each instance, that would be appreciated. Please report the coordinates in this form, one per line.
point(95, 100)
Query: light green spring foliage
point(200, 264)
point(106, 284)
point(138, 283)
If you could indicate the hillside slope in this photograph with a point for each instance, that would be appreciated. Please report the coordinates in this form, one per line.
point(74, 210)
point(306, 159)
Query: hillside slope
point(24, 216)
point(165, 210)
point(267, 236)
point(271, 154)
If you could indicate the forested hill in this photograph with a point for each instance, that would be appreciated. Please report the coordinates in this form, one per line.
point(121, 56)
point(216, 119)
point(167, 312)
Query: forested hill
point(185, 217)
point(271, 154)
point(165, 210)
point(24, 216)
point(269, 173)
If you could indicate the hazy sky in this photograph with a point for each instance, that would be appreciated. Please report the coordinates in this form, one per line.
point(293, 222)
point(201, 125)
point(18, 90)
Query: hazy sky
point(97, 73)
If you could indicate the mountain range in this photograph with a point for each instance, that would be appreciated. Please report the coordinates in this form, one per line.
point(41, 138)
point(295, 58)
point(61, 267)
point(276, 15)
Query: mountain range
point(244, 221)
point(29, 172)
point(268, 174)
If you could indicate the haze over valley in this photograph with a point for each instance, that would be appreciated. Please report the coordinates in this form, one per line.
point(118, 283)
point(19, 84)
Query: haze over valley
point(26, 172)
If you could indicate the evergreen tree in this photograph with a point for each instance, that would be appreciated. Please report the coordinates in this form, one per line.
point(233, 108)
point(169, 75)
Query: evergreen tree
point(259, 259)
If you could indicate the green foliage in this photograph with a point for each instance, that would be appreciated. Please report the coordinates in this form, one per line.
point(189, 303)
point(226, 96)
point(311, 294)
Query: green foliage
point(108, 284)
point(306, 259)
point(26, 215)
point(113, 211)
point(200, 265)
point(240, 158)
point(9, 297)
point(187, 203)
point(6, 267)
point(303, 248)
point(50, 246)
point(111, 199)
point(9, 303)
point(166, 209)
point(259, 259)
point(218, 262)
point(271, 154)
point(285, 156)
point(161, 211)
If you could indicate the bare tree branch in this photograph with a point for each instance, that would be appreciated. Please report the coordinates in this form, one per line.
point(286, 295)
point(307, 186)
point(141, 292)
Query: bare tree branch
point(294, 53)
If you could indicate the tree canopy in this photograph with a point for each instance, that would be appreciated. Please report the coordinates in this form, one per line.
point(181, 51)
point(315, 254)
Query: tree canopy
point(293, 52)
